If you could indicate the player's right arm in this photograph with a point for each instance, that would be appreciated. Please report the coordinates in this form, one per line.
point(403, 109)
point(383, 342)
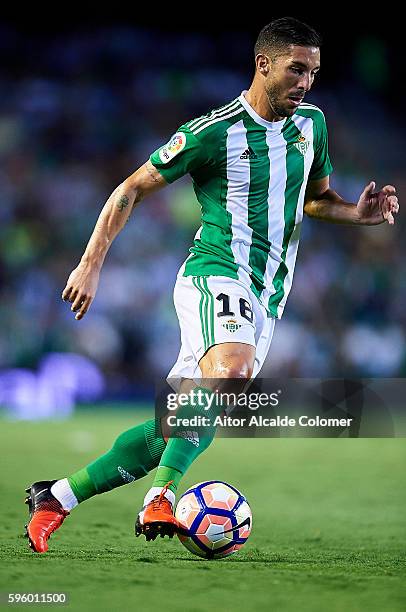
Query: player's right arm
point(183, 154)
point(83, 281)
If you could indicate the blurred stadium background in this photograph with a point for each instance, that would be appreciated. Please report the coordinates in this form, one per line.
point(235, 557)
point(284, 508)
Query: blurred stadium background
point(81, 108)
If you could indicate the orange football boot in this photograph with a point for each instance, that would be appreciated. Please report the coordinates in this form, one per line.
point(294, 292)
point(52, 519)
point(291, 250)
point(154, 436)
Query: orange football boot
point(46, 515)
point(156, 518)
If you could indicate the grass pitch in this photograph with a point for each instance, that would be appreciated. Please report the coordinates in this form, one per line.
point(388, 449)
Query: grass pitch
point(328, 525)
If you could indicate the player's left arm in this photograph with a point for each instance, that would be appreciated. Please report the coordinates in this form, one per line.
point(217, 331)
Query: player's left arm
point(373, 207)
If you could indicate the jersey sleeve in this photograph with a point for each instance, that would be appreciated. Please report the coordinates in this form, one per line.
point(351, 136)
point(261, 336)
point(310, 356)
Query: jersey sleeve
point(184, 153)
point(321, 165)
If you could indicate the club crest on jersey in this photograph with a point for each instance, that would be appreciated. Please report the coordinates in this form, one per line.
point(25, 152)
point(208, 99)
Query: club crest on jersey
point(302, 144)
point(232, 326)
point(174, 146)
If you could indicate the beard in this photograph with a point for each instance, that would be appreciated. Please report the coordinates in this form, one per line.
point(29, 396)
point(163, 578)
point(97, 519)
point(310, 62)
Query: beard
point(275, 98)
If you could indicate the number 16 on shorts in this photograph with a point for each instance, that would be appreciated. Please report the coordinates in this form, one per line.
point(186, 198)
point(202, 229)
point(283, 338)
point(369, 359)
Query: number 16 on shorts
point(214, 310)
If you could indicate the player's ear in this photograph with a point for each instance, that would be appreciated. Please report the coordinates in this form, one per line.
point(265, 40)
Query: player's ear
point(262, 64)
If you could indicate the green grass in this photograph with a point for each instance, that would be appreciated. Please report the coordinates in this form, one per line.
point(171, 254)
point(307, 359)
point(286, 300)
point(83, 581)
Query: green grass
point(328, 526)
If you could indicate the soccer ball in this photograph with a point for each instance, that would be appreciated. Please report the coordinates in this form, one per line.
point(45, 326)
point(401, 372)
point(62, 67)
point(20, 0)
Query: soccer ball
point(215, 519)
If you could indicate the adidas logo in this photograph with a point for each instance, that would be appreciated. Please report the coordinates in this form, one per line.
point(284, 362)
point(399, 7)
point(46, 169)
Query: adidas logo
point(248, 154)
point(126, 476)
point(190, 436)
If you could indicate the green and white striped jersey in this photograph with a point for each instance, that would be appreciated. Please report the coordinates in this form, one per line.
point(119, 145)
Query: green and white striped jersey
point(250, 177)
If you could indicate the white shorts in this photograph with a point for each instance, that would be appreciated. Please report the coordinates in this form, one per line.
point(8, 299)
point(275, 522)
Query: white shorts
point(216, 309)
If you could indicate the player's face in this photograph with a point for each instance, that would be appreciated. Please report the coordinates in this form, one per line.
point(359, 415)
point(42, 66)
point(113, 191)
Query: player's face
point(290, 77)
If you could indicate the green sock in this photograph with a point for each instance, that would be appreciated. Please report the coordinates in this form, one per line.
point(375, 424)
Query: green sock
point(135, 453)
point(184, 446)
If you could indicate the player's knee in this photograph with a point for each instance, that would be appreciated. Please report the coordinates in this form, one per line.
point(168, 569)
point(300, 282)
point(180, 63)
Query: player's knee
point(228, 361)
point(241, 370)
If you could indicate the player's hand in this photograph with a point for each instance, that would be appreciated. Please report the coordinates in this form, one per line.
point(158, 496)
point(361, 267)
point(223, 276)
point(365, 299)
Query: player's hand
point(377, 207)
point(81, 289)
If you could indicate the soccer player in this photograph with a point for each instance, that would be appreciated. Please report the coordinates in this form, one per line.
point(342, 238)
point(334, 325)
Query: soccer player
point(257, 164)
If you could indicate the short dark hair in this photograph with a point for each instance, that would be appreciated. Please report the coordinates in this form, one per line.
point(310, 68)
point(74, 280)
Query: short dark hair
point(280, 33)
